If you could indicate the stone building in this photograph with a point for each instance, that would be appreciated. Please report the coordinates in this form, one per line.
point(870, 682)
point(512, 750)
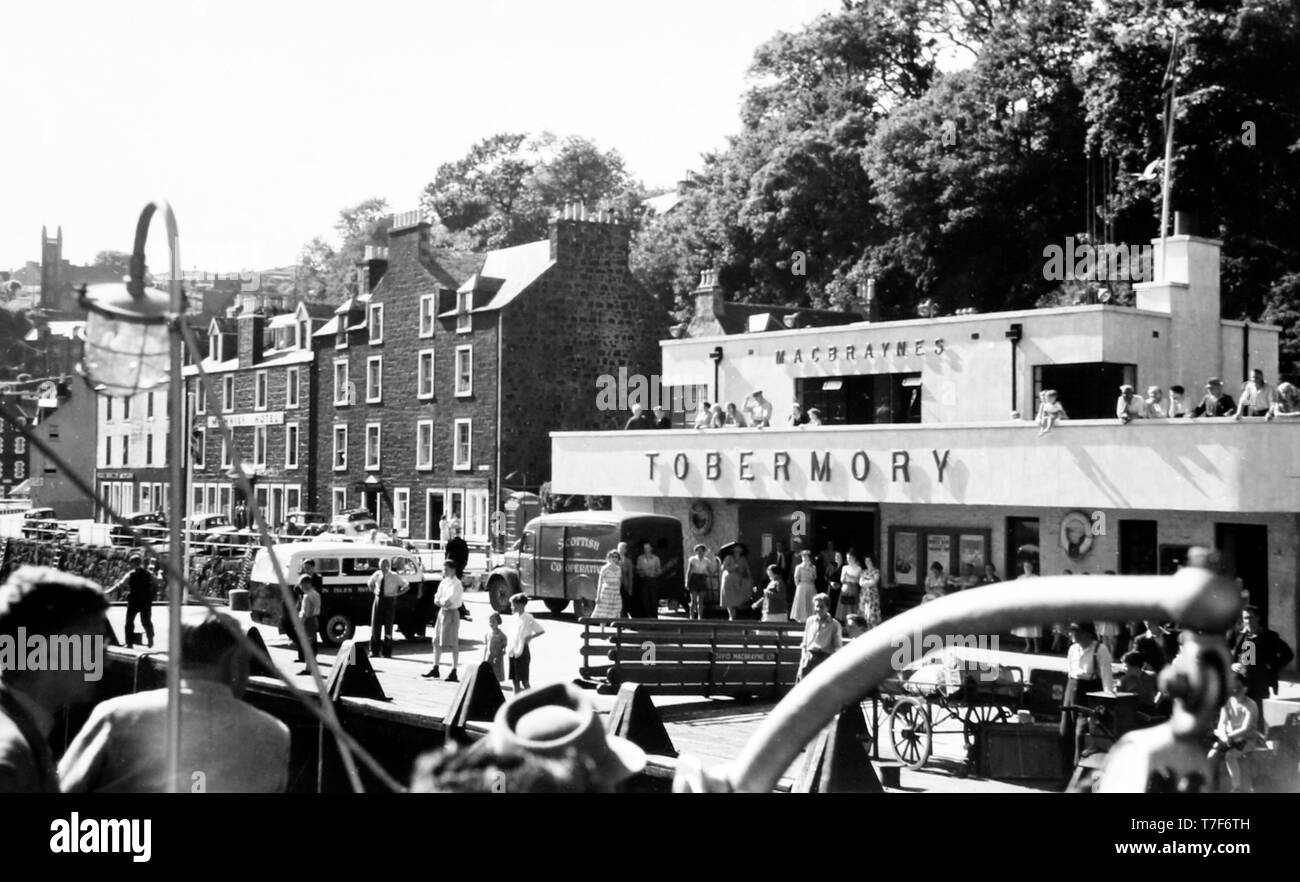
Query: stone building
point(440, 383)
point(261, 377)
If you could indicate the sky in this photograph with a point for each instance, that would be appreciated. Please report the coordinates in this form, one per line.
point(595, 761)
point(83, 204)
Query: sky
point(258, 121)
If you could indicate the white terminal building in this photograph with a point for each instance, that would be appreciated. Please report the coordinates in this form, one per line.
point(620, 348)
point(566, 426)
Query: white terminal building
point(931, 451)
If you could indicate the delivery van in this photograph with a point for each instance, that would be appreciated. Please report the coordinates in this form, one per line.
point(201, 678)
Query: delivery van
point(558, 557)
point(345, 569)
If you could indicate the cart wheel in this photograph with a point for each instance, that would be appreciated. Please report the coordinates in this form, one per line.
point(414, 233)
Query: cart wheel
point(911, 732)
point(977, 716)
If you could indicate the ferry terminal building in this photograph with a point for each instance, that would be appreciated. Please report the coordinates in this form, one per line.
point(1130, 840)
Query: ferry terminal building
point(931, 452)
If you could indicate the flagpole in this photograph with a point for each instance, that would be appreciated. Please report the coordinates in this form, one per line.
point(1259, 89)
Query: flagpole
point(1167, 185)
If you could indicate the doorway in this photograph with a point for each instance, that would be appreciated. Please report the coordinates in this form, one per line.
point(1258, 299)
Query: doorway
point(433, 508)
point(1138, 548)
point(370, 500)
point(848, 528)
point(1022, 545)
point(1244, 552)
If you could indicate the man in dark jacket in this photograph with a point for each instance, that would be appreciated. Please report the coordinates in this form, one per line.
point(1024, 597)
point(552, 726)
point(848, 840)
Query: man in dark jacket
point(641, 419)
point(139, 585)
point(1263, 653)
point(1216, 402)
point(43, 602)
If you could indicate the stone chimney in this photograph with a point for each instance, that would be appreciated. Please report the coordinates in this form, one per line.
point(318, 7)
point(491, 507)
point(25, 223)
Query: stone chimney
point(1186, 288)
point(870, 306)
point(252, 331)
point(710, 304)
point(373, 265)
point(590, 239)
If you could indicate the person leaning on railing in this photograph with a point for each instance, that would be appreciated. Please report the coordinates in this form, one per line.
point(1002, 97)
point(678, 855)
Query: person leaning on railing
point(1286, 403)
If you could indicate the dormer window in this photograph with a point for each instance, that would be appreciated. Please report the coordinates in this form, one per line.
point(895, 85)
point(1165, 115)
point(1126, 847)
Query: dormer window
point(464, 303)
point(304, 334)
point(214, 346)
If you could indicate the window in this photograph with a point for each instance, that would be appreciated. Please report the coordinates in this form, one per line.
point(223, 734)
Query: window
point(20, 470)
point(126, 408)
point(476, 516)
point(464, 320)
point(108, 410)
point(108, 451)
point(914, 549)
point(402, 511)
point(427, 305)
point(214, 346)
point(259, 445)
point(146, 498)
point(201, 397)
point(462, 444)
point(20, 446)
point(291, 446)
point(198, 446)
point(149, 406)
point(376, 323)
point(863, 400)
point(424, 444)
point(224, 494)
point(126, 449)
point(374, 379)
point(464, 371)
point(259, 401)
point(341, 381)
point(424, 382)
point(341, 335)
point(340, 500)
point(227, 393)
point(1086, 391)
point(340, 448)
point(372, 446)
point(148, 449)
point(291, 388)
point(292, 497)
point(225, 452)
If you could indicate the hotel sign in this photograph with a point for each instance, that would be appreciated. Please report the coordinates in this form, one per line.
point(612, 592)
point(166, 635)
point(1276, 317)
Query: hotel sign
point(243, 420)
point(867, 352)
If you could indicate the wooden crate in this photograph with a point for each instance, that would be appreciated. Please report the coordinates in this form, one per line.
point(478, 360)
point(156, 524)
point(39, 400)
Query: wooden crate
point(1018, 752)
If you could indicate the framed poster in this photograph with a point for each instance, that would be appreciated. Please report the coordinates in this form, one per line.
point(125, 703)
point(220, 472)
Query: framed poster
point(938, 549)
point(971, 551)
point(905, 559)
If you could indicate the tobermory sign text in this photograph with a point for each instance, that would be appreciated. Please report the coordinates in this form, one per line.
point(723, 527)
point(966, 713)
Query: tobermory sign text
point(852, 352)
point(823, 467)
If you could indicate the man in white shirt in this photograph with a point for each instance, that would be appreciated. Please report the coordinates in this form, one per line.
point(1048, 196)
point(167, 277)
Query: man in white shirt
point(759, 410)
point(1129, 407)
point(1090, 669)
point(386, 586)
point(446, 632)
point(227, 746)
point(1256, 396)
point(821, 636)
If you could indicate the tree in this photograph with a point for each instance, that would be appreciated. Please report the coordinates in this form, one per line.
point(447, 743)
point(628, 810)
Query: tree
point(504, 190)
point(329, 274)
point(118, 261)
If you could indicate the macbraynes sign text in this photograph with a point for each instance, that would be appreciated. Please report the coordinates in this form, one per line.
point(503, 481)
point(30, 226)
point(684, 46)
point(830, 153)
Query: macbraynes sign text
point(820, 468)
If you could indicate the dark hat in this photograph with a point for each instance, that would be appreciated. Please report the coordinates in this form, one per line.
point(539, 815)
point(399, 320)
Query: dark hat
point(1214, 381)
point(1083, 627)
point(553, 721)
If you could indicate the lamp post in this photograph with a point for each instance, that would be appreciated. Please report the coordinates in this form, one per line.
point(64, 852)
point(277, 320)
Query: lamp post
point(132, 345)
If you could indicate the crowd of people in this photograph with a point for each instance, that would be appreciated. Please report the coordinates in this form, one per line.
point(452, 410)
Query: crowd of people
point(1258, 398)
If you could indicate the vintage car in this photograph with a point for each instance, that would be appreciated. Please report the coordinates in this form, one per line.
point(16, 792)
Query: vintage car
point(304, 523)
point(152, 525)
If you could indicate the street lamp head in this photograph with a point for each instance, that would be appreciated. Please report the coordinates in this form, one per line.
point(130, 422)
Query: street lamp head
point(128, 336)
point(127, 339)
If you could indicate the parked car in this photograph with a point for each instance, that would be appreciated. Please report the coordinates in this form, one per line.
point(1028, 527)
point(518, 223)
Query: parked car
point(356, 523)
point(41, 523)
point(305, 523)
point(151, 524)
point(345, 569)
point(204, 527)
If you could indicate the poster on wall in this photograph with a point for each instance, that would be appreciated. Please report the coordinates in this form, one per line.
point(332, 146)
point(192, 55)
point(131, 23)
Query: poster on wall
point(938, 550)
point(971, 551)
point(905, 558)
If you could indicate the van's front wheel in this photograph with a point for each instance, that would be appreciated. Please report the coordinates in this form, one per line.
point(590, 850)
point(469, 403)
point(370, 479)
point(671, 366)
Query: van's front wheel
point(556, 605)
point(499, 594)
point(337, 628)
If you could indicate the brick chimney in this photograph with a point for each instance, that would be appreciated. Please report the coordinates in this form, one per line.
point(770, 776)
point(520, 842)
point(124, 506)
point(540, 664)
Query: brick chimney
point(252, 330)
point(592, 239)
point(373, 265)
point(710, 304)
